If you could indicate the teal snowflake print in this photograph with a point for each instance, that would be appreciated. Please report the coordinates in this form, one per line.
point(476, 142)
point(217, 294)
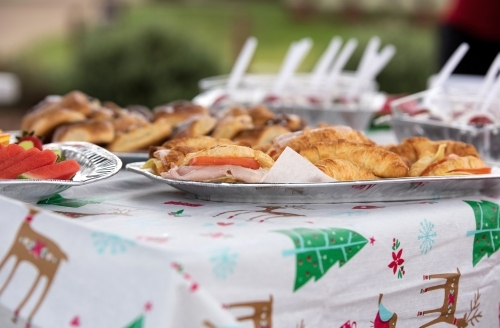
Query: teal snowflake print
point(224, 263)
point(104, 242)
point(427, 235)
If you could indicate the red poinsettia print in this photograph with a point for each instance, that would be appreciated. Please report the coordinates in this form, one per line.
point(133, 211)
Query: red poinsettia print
point(397, 259)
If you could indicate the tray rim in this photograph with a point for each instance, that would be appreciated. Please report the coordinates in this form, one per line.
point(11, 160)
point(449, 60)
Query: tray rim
point(60, 145)
point(134, 167)
point(123, 156)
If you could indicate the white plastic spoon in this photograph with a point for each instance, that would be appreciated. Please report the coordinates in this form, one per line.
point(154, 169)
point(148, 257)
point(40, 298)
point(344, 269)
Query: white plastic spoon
point(321, 67)
point(340, 62)
point(294, 57)
point(445, 73)
point(241, 64)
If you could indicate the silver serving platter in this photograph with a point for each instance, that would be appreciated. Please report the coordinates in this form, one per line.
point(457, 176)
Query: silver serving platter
point(125, 157)
point(401, 189)
point(96, 164)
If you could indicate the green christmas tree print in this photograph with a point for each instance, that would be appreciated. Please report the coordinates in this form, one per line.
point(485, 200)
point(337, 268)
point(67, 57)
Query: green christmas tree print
point(487, 233)
point(59, 200)
point(317, 250)
point(138, 323)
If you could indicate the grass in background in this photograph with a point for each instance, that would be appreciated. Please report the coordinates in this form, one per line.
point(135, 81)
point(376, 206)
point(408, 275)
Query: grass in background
point(214, 26)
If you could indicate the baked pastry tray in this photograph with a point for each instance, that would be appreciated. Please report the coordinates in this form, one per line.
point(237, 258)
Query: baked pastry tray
point(96, 164)
point(400, 189)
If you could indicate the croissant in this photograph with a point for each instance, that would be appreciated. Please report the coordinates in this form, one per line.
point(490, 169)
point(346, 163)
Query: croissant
point(142, 138)
point(307, 138)
point(199, 142)
point(174, 156)
point(412, 149)
point(455, 164)
point(343, 170)
point(260, 115)
point(230, 126)
point(381, 162)
point(426, 160)
point(262, 135)
point(195, 126)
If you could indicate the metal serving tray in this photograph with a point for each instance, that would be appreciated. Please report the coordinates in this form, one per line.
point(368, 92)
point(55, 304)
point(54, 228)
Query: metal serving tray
point(96, 164)
point(401, 189)
point(486, 139)
point(125, 157)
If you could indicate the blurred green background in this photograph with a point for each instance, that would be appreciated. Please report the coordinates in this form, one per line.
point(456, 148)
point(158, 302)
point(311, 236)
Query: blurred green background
point(152, 52)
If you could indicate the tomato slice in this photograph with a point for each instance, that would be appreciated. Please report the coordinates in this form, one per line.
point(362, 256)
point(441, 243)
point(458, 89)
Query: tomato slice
point(433, 165)
point(481, 170)
point(250, 163)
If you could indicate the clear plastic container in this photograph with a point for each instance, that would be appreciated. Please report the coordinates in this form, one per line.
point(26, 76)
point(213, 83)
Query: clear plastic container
point(407, 122)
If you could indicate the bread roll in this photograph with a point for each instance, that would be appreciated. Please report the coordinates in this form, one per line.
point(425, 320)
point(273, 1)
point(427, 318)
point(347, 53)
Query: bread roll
point(94, 131)
point(102, 114)
point(230, 126)
point(260, 115)
point(45, 119)
point(127, 121)
point(344, 170)
point(77, 101)
point(261, 136)
point(381, 162)
point(290, 121)
point(195, 126)
point(142, 138)
point(178, 112)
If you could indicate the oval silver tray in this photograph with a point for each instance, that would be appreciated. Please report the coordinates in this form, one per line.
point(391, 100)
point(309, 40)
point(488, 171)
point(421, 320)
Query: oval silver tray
point(96, 164)
point(400, 189)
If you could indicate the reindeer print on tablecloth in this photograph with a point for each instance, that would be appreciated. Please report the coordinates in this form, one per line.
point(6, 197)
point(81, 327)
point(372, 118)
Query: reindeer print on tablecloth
point(40, 251)
point(447, 310)
point(268, 212)
point(261, 316)
point(384, 317)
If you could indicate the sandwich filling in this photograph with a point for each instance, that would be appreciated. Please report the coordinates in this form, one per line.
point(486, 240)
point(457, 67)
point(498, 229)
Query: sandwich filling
point(222, 164)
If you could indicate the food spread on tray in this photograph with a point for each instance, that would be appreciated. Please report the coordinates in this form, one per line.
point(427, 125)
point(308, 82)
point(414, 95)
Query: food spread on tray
point(338, 151)
point(77, 117)
point(26, 159)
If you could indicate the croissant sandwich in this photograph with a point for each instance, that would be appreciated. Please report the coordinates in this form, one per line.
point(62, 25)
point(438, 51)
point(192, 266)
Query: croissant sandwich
point(307, 138)
point(440, 164)
point(381, 162)
point(414, 148)
point(229, 163)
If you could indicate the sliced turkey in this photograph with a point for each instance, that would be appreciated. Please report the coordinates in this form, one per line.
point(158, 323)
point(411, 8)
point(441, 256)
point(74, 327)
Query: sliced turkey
point(210, 173)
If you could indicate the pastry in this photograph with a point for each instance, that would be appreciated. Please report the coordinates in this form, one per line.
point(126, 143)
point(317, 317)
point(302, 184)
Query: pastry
point(195, 126)
point(143, 137)
point(94, 131)
point(261, 136)
point(230, 126)
point(178, 111)
point(381, 162)
point(344, 170)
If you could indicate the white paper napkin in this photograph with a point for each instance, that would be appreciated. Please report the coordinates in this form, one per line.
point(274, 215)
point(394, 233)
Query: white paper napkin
point(291, 167)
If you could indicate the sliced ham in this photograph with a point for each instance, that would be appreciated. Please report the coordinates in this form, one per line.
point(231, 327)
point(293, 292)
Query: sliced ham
point(208, 173)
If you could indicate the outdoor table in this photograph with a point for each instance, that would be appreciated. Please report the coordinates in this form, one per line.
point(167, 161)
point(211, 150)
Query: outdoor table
point(130, 252)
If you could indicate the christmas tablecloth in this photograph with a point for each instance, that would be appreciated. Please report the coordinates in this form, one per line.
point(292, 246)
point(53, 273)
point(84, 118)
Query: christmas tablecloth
point(130, 252)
